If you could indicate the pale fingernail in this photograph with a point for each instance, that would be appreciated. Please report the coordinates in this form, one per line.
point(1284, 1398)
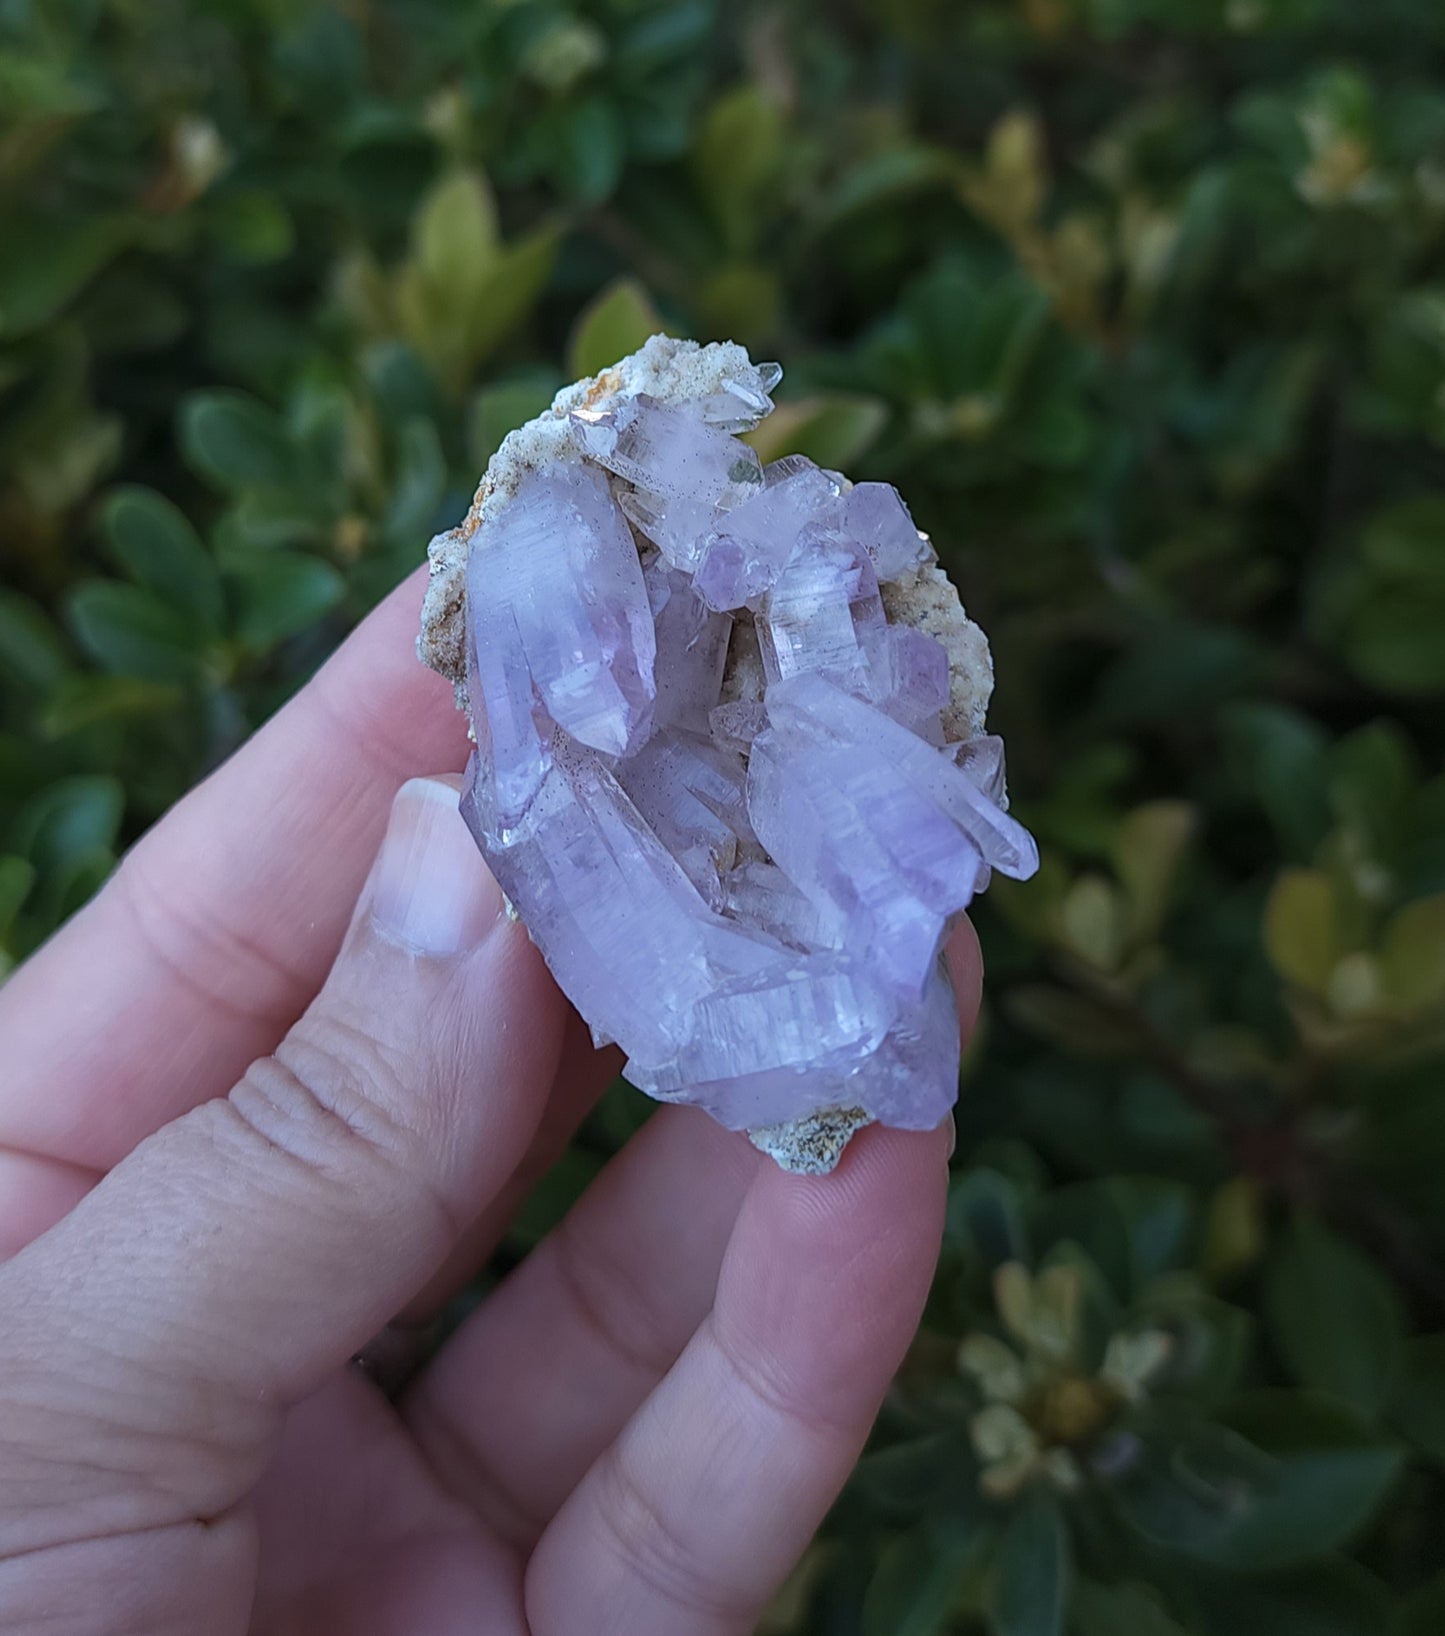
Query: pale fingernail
point(430, 888)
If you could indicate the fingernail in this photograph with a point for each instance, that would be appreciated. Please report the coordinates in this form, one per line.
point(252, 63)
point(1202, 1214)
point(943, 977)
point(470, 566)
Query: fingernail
point(952, 1124)
point(430, 888)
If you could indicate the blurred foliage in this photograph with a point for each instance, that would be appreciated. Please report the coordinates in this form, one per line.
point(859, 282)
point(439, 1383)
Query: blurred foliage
point(1142, 303)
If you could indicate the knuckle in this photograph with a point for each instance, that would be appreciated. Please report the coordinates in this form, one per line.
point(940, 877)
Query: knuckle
point(230, 971)
point(331, 1099)
point(653, 1551)
point(609, 1302)
point(759, 1381)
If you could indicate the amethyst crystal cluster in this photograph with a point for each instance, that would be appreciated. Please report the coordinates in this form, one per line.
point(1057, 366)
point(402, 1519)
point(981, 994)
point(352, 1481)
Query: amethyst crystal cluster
point(735, 803)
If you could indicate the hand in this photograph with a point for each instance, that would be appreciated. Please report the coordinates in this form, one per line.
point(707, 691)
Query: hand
point(246, 1120)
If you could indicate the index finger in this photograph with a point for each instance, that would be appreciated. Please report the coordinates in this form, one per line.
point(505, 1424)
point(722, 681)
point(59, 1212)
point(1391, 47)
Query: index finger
point(222, 921)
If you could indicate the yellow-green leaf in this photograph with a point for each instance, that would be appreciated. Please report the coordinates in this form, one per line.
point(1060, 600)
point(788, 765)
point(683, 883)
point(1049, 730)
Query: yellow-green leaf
point(1301, 932)
point(833, 431)
point(1146, 853)
point(454, 235)
point(1412, 953)
point(614, 323)
point(1091, 922)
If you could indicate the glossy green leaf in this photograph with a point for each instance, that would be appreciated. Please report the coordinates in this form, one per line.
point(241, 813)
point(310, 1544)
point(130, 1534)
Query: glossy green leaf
point(455, 238)
point(255, 226)
point(587, 142)
point(497, 410)
point(518, 276)
point(1029, 1594)
point(613, 324)
point(32, 654)
point(1412, 953)
point(1332, 1475)
point(1300, 928)
point(82, 702)
point(1147, 851)
point(47, 263)
point(235, 441)
point(69, 822)
point(421, 475)
point(17, 876)
point(280, 594)
point(832, 431)
point(158, 548)
point(130, 630)
point(919, 1582)
point(739, 154)
point(1128, 1609)
point(1334, 1317)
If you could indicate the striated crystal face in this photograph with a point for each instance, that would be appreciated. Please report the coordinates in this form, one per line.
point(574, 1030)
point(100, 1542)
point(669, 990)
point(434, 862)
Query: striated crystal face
point(720, 786)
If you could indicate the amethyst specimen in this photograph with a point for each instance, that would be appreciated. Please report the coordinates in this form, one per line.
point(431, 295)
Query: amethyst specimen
point(730, 769)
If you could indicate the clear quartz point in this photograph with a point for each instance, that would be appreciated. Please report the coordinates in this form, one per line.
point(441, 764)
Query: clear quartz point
point(712, 776)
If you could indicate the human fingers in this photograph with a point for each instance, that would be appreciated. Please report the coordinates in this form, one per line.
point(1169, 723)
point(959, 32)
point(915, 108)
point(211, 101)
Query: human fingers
point(583, 1073)
point(533, 1387)
point(151, 1341)
point(219, 925)
point(690, 1520)
point(535, 1384)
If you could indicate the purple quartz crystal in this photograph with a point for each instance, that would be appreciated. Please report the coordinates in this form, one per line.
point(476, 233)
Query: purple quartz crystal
point(721, 788)
point(753, 541)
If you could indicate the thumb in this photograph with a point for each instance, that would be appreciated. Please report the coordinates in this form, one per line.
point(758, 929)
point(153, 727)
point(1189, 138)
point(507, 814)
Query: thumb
point(151, 1341)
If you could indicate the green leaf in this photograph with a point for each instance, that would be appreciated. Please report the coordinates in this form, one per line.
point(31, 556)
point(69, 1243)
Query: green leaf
point(614, 323)
point(47, 263)
point(1280, 755)
point(1394, 638)
point(1300, 931)
point(740, 153)
point(497, 410)
point(17, 876)
point(1332, 1475)
point(32, 655)
point(254, 226)
point(1333, 1598)
point(553, 1197)
point(834, 431)
point(1335, 1319)
point(421, 475)
point(1129, 1609)
point(1407, 541)
point(159, 549)
point(1419, 1408)
point(518, 277)
point(280, 594)
point(1146, 853)
point(129, 630)
point(235, 441)
point(69, 822)
point(82, 702)
point(1030, 1588)
point(925, 1476)
point(1412, 953)
point(1159, 1222)
point(1288, 1480)
point(588, 149)
point(454, 237)
point(920, 1581)
point(986, 1215)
